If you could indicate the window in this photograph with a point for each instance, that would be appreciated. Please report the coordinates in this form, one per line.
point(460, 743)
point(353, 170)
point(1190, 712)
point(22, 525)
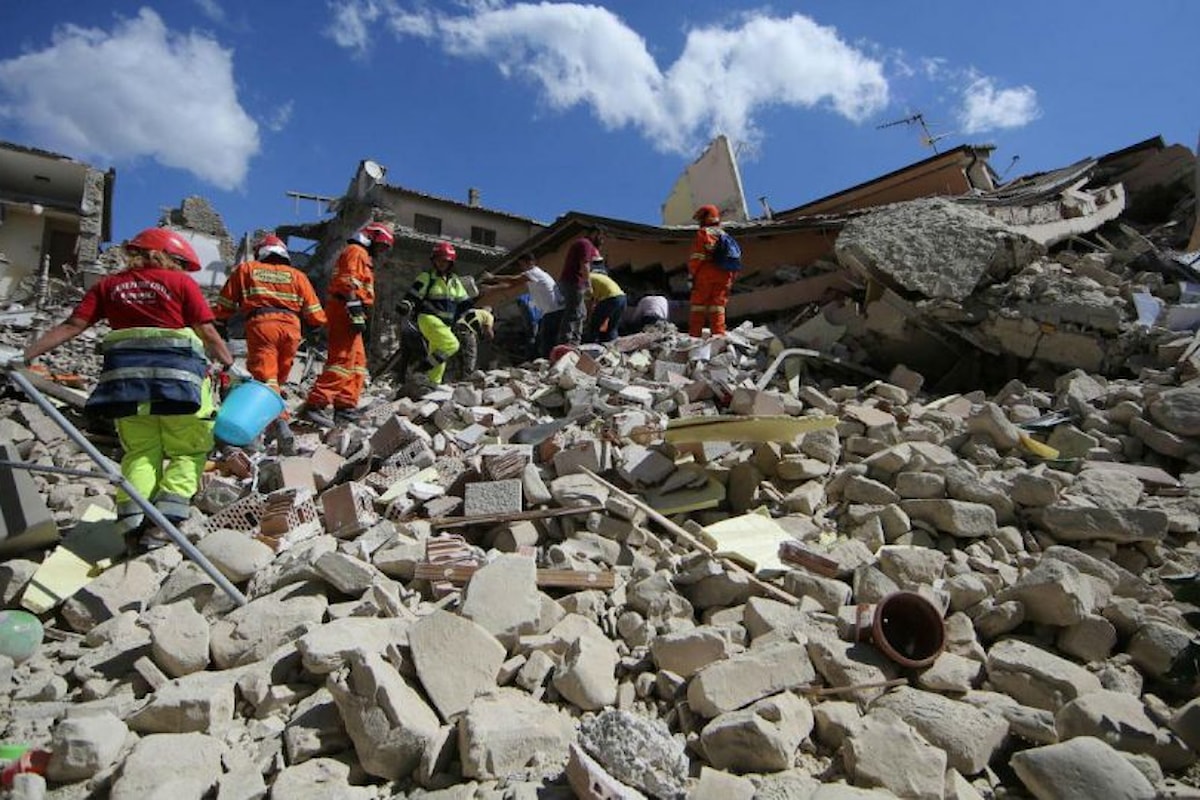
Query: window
point(430, 225)
point(484, 236)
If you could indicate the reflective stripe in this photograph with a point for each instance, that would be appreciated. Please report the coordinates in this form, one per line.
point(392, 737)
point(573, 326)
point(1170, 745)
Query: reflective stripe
point(173, 507)
point(149, 373)
point(181, 345)
point(261, 291)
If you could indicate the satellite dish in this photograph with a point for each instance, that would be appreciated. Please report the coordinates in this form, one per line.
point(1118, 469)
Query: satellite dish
point(374, 171)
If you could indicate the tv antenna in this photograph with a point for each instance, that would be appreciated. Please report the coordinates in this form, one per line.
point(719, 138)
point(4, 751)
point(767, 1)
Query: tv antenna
point(929, 139)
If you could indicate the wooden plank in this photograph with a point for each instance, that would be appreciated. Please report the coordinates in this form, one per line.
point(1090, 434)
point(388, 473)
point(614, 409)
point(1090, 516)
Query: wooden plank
point(682, 534)
point(798, 554)
point(459, 574)
point(442, 523)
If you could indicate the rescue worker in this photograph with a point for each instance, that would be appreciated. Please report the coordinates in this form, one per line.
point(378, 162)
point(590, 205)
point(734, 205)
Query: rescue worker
point(710, 283)
point(607, 301)
point(475, 322)
point(274, 297)
point(573, 284)
point(439, 299)
point(154, 383)
point(349, 299)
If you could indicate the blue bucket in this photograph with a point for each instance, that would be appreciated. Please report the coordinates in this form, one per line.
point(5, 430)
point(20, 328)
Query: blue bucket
point(246, 412)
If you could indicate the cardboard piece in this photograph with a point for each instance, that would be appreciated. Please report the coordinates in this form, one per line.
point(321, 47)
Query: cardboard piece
point(781, 428)
point(710, 494)
point(751, 539)
point(91, 547)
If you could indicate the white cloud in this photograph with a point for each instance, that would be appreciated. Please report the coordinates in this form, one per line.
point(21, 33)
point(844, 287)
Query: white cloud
point(985, 108)
point(585, 55)
point(139, 91)
point(278, 119)
point(352, 22)
point(211, 9)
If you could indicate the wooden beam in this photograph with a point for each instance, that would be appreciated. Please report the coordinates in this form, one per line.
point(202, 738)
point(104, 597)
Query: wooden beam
point(682, 534)
point(459, 574)
point(515, 516)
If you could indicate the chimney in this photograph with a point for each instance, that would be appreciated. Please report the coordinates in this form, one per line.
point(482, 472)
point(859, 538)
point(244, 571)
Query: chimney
point(473, 197)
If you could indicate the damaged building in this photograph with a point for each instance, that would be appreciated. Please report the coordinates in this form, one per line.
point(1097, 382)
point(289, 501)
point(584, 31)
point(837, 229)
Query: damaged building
point(55, 212)
point(924, 524)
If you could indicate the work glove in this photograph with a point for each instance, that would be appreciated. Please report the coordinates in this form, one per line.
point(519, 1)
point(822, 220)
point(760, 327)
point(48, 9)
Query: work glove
point(13, 359)
point(357, 312)
point(237, 373)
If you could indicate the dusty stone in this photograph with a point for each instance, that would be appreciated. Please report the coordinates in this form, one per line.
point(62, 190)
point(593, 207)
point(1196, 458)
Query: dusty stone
point(1054, 593)
point(129, 585)
point(761, 738)
point(319, 779)
point(1036, 677)
point(84, 745)
point(389, 723)
point(195, 761)
point(687, 652)
point(970, 736)
point(887, 753)
point(1081, 769)
point(744, 678)
point(951, 673)
point(198, 703)
point(327, 648)
point(502, 597)
point(956, 517)
point(1121, 720)
point(235, 554)
point(179, 639)
point(846, 664)
point(1090, 640)
point(249, 633)
point(509, 732)
point(587, 675)
point(1155, 647)
point(456, 660)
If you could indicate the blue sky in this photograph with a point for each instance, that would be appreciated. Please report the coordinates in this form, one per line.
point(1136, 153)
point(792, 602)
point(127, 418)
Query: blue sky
point(552, 107)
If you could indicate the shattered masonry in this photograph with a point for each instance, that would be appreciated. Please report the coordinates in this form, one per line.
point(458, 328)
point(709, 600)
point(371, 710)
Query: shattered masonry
point(645, 570)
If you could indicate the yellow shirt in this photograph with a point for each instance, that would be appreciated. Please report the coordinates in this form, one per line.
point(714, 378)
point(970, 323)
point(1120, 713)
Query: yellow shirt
point(480, 319)
point(604, 287)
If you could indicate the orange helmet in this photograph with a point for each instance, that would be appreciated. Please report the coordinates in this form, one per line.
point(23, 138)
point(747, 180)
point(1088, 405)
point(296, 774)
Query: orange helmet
point(167, 241)
point(444, 249)
point(272, 245)
point(707, 215)
point(375, 233)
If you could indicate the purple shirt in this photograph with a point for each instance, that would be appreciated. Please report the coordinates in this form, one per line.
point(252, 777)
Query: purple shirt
point(577, 265)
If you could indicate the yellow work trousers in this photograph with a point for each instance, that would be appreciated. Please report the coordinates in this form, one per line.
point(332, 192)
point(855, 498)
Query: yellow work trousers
point(442, 344)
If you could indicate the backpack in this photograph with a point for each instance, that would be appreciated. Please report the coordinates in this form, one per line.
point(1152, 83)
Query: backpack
point(727, 253)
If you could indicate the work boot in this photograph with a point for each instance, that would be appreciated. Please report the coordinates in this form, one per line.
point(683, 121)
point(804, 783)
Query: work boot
point(344, 415)
point(285, 440)
point(318, 416)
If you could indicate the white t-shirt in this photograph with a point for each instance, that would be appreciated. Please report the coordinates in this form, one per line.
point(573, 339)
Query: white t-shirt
point(653, 305)
point(543, 290)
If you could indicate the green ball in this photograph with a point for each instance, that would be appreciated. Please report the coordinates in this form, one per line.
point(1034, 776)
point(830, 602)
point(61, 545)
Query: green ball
point(20, 635)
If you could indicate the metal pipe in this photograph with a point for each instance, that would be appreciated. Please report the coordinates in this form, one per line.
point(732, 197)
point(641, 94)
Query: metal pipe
point(114, 475)
point(79, 473)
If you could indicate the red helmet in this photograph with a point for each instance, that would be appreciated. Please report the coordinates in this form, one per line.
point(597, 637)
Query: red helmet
point(375, 233)
point(167, 241)
point(707, 215)
point(272, 245)
point(446, 250)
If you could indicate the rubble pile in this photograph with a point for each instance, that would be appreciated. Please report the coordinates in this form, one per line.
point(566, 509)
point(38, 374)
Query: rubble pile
point(948, 282)
point(635, 573)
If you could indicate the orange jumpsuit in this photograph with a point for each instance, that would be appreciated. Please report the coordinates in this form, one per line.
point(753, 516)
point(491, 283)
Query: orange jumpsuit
point(710, 285)
point(345, 375)
point(273, 298)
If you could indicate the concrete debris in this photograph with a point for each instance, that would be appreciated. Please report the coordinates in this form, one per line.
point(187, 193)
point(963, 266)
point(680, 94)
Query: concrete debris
point(642, 570)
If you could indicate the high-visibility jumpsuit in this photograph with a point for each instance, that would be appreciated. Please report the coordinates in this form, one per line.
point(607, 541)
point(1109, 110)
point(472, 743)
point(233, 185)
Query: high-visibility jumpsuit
point(439, 301)
point(351, 293)
point(273, 298)
point(154, 385)
point(710, 284)
point(469, 327)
